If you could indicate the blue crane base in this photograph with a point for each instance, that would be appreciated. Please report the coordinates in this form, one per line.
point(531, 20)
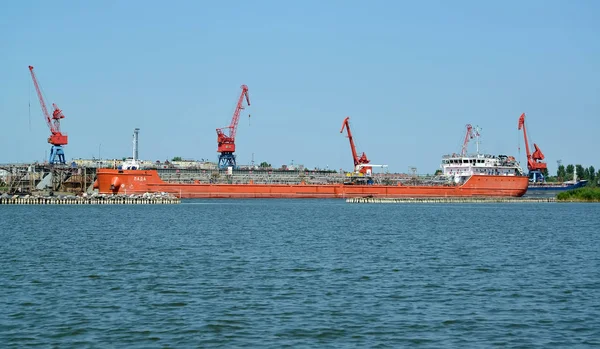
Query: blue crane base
point(536, 176)
point(226, 160)
point(57, 155)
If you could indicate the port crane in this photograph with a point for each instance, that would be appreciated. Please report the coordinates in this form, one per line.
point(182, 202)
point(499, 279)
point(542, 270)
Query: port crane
point(359, 161)
point(57, 138)
point(471, 133)
point(226, 141)
point(535, 165)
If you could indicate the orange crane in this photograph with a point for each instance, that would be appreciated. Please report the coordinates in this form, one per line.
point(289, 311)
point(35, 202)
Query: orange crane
point(57, 138)
point(535, 165)
point(226, 142)
point(358, 160)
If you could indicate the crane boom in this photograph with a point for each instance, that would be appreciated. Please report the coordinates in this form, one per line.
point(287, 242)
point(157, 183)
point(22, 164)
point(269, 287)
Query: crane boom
point(346, 125)
point(42, 102)
point(358, 160)
point(522, 127)
point(236, 115)
point(226, 141)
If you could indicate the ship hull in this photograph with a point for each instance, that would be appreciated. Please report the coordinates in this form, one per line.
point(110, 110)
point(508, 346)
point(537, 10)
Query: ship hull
point(111, 181)
point(536, 188)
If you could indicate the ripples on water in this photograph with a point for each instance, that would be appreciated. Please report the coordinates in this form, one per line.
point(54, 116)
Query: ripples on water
point(317, 273)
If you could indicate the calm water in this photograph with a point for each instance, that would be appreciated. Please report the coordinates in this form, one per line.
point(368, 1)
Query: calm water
point(303, 273)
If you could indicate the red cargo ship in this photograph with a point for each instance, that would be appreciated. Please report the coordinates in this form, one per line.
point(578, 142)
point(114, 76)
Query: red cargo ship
point(463, 176)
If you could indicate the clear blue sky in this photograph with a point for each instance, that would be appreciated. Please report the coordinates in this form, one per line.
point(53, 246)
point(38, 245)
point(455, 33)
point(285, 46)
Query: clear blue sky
point(410, 74)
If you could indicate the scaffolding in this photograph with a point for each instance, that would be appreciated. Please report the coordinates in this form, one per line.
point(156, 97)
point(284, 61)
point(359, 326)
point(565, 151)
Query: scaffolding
point(32, 178)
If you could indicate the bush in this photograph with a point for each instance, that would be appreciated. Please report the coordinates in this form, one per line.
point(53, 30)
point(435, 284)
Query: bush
point(580, 194)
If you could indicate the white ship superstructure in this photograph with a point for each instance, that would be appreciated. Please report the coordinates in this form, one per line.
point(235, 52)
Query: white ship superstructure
point(460, 167)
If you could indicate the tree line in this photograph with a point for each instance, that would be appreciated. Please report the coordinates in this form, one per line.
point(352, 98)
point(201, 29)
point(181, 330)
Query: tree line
point(565, 173)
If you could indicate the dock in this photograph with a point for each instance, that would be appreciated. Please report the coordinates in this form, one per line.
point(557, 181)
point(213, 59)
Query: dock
point(449, 200)
point(92, 200)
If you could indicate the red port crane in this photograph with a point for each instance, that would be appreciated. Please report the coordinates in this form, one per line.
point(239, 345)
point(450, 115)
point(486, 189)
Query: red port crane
point(57, 138)
point(358, 160)
point(226, 142)
point(534, 160)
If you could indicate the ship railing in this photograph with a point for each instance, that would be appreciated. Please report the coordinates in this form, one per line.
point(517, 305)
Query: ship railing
point(321, 179)
point(255, 180)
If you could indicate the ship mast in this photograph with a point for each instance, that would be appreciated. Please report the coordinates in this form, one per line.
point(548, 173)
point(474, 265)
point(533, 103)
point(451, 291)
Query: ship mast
point(477, 129)
point(135, 143)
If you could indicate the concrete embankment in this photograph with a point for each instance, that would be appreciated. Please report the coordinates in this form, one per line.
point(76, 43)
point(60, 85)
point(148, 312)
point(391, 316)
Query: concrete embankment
point(100, 200)
point(447, 200)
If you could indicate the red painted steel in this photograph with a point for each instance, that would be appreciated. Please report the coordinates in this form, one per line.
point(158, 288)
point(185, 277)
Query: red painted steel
point(112, 181)
point(534, 160)
point(56, 136)
point(358, 160)
point(226, 142)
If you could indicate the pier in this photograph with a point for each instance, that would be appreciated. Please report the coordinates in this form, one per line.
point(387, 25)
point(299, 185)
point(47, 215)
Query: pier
point(92, 200)
point(449, 200)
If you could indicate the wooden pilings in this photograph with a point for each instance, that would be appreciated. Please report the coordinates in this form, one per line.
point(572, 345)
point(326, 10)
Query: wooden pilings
point(448, 200)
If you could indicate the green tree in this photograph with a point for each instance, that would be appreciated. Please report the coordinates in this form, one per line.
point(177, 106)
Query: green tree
point(561, 173)
point(586, 173)
point(264, 164)
point(177, 158)
point(570, 170)
point(580, 172)
point(592, 171)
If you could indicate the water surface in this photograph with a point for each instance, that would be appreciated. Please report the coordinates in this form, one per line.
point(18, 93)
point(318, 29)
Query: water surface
point(300, 273)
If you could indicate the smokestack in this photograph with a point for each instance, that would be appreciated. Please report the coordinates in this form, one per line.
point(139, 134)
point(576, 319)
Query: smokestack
point(135, 143)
